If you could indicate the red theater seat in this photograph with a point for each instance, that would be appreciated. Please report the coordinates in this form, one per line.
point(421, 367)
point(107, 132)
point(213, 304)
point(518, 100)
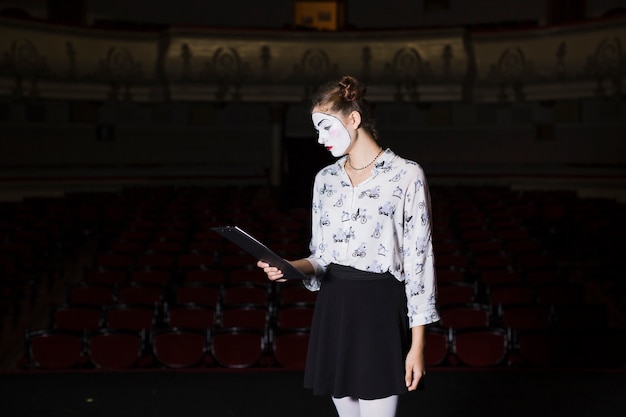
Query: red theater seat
point(238, 347)
point(180, 348)
point(481, 347)
point(115, 348)
point(55, 349)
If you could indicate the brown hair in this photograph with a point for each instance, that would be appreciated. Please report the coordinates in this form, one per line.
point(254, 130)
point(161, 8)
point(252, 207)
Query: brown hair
point(345, 96)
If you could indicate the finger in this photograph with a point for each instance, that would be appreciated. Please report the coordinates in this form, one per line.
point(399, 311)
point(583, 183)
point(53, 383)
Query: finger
point(276, 277)
point(408, 377)
point(416, 377)
point(275, 274)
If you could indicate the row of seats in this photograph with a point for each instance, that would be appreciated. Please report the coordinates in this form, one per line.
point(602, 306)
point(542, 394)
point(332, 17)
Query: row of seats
point(536, 348)
point(165, 348)
point(187, 315)
point(495, 248)
point(286, 348)
point(511, 306)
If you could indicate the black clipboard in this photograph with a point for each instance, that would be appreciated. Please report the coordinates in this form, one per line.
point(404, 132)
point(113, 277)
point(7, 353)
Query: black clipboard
point(257, 249)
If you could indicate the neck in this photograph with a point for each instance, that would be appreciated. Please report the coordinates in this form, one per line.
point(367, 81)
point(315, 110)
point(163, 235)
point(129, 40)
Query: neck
point(358, 161)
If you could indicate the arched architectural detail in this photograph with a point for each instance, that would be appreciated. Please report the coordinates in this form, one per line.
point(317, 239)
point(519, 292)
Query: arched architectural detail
point(608, 66)
point(24, 63)
point(408, 69)
point(511, 72)
point(314, 66)
point(119, 68)
point(227, 70)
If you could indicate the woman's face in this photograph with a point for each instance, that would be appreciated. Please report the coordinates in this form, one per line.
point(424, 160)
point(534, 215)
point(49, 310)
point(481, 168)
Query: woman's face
point(332, 133)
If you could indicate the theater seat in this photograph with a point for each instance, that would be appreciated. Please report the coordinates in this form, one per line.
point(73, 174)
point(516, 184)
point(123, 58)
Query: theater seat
point(238, 347)
point(115, 348)
point(481, 347)
point(437, 346)
point(180, 348)
point(55, 349)
point(290, 347)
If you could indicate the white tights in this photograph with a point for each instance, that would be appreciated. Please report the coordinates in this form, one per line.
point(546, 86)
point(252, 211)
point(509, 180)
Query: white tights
point(356, 407)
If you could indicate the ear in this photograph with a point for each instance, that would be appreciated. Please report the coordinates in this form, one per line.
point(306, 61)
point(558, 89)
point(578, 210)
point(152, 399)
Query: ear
point(355, 119)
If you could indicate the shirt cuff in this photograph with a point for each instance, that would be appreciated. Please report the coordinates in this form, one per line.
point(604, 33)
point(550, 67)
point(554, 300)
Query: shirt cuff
point(313, 282)
point(423, 318)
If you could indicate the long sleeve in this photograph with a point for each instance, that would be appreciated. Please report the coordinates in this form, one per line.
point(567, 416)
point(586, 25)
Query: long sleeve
point(313, 283)
point(418, 256)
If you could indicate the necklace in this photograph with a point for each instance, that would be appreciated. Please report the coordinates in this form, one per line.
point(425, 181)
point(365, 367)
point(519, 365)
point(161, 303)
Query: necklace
point(362, 168)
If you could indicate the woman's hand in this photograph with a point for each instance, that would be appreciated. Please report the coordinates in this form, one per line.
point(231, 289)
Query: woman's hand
point(414, 365)
point(273, 273)
point(414, 369)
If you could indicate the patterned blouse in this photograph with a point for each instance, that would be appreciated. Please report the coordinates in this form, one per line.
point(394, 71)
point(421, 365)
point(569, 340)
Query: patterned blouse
point(380, 225)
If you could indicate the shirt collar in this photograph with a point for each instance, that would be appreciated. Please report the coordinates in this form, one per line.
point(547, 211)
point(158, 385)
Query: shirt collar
point(383, 162)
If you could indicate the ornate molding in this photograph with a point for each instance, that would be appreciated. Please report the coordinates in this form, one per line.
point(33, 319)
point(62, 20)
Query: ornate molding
point(548, 64)
point(120, 69)
point(221, 66)
point(608, 66)
point(408, 70)
point(23, 62)
point(511, 72)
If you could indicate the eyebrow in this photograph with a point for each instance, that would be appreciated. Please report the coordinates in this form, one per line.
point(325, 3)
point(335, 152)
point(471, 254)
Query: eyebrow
point(328, 117)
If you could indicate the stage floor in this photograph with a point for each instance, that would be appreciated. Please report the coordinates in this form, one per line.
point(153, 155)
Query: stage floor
point(484, 393)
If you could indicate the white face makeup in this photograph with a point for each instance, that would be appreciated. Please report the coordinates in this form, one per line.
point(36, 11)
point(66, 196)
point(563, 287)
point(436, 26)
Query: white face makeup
point(331, 133)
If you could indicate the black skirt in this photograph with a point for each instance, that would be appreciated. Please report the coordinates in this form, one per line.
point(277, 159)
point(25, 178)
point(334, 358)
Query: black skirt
point(359, 335)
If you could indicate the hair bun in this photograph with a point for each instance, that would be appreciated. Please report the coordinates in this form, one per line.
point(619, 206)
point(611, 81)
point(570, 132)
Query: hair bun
point(349, 88)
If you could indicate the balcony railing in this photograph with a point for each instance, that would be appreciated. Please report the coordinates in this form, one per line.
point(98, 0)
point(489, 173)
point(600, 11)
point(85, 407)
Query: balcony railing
point(48, 61)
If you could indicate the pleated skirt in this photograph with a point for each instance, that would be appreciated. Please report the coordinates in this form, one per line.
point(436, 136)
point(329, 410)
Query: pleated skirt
point(359, 335)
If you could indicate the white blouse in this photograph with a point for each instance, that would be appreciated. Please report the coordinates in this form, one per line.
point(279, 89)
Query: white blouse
point(380, 225)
